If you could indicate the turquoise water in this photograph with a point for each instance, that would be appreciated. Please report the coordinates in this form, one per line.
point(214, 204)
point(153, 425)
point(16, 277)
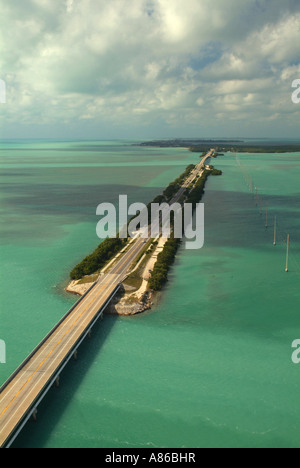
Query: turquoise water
point(210, 365)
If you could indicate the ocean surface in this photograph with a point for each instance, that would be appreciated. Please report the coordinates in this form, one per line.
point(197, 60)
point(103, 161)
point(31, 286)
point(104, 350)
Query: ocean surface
point(210, 365)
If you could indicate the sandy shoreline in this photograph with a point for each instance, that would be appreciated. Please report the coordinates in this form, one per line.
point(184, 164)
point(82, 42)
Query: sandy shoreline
point(79, 289)
point(127, 302)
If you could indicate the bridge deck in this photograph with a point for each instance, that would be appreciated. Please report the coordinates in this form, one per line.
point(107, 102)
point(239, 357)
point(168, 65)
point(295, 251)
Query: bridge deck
point(22, 393)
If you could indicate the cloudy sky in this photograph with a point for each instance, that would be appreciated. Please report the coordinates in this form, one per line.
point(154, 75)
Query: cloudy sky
point(149, 68)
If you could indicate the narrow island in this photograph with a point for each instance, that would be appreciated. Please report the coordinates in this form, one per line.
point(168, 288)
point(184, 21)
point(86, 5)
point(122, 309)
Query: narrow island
point(226, 145)
point(148, 272)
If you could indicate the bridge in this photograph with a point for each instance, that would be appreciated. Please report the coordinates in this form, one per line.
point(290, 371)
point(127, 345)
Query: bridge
point(25, 389)
point(21, 395)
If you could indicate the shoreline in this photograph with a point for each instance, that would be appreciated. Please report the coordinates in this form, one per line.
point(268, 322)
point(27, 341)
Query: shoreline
point(128, 301)
point(148, 273)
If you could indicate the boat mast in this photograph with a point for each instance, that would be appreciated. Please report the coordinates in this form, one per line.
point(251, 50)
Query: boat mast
point(287, 255)
point(275, 231)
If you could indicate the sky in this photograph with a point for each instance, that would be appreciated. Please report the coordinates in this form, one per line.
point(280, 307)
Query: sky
point(146, 69)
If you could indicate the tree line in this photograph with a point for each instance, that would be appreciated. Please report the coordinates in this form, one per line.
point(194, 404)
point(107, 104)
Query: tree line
point(110, 247)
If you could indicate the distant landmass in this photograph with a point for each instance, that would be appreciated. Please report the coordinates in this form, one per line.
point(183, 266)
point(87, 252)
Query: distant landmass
point(187, 143)
point(201, 146)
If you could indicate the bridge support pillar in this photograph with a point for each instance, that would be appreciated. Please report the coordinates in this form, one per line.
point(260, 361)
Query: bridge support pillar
point(90, 334)
point(57, 382)
point(75, 355)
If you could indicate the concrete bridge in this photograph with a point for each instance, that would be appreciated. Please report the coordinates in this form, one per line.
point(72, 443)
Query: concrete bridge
point(25, 389)
point(21, 395)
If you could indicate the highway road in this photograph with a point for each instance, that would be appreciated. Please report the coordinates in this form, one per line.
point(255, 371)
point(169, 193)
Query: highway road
point(198, 170)
point(22, 393)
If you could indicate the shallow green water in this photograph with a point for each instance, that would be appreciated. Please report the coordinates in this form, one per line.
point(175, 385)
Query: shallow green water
point(210, 365)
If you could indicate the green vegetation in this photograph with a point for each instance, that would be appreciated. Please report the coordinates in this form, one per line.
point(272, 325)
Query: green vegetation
point(174, 187)
point(204, 145)
point(110, 247)
point(165, 260)
point(216, 172)
point(187, 143)
point(250, 149)
point(197, 192)
point(89, 279)
point(97, 260)
point(171, 190)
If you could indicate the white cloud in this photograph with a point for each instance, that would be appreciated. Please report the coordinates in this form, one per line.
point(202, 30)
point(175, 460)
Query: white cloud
point(178, 61)
point(69, 5)
point(280, 44)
